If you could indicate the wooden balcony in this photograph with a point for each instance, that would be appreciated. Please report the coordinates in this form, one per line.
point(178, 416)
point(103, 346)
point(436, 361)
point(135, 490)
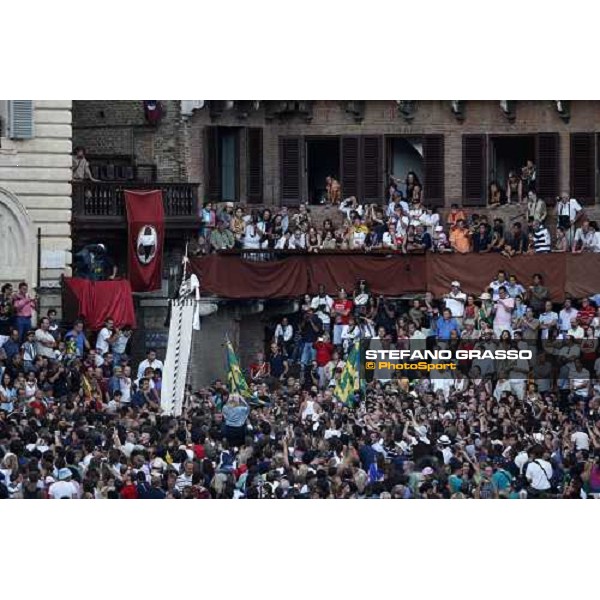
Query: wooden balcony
point(102, 204)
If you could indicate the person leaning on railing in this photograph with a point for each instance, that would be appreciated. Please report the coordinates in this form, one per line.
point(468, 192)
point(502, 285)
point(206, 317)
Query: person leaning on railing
point(81, 166)
point(222, 238)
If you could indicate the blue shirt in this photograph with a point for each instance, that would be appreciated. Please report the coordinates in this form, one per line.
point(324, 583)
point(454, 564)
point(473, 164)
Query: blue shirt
point(79, 340)
point(235, 416)
point(11, 348)
point(444, 328)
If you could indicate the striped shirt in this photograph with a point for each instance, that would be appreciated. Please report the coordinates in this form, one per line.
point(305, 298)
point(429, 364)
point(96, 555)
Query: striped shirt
point(541, 240)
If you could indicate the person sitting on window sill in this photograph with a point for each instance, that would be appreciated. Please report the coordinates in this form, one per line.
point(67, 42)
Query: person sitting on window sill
point(496, 196)
point(514, 189)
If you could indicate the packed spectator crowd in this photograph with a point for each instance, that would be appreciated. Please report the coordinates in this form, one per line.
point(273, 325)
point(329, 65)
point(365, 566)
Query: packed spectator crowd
point(407, 224)
point(79, 420)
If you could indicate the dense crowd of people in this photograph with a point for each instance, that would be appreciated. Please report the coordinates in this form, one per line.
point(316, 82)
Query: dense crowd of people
point(406, 224)
point(79, 420)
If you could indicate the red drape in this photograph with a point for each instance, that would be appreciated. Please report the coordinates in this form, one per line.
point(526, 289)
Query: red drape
point(146, 220)
point(245, 279)
point(95, 301)
point(387, 275)
point(230, 276)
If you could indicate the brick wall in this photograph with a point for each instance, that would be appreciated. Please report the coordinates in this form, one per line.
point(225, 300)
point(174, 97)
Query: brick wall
point(382, 117)
point(118, 127)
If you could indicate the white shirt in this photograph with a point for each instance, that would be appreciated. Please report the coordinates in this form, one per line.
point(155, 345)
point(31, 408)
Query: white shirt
point(346, 208)
point(569, 208)
point(125, 389)
point(564, 318)
point(587, 240)
point(252, 237)
point(322, 307)
point(539, 474)
point(297, 243)
point(496, 285)
point(580, 378)
point(350, 334)
point(521, 460)
point(455, 303)
point(285, 332)
point(62, 489)
point(282, 242)
point(577, 332)
point(44, 336)
point(102, 345)
point(155, 364)
point(545, 319)
point(581, 440)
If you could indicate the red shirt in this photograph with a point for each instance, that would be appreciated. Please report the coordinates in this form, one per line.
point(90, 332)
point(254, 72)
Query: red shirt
point(324, 351)
point(262, 370)
point(586, 315)
point(199, 451)
point(342, 305)
point(129, 492)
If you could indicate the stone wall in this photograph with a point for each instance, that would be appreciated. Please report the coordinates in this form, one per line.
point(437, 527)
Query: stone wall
point(35, 192)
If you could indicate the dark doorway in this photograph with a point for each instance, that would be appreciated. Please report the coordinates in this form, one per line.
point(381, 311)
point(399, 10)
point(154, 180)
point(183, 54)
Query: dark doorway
point(405, 155)
point(510, 153)
point(322, 160)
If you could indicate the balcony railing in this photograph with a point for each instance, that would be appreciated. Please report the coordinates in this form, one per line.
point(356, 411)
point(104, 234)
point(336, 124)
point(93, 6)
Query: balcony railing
point(104, 200)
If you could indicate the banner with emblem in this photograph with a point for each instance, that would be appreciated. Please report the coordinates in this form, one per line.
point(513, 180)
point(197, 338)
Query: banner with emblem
point(146, 222)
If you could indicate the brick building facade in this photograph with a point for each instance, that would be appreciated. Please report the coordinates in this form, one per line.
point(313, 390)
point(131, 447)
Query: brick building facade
point(276, 153)
point(272, 148)
point(116, 133)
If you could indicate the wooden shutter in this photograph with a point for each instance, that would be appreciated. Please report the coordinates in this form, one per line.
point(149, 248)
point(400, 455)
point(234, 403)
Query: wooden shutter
point(474, 170)
point(20, 119)
point(583, 169)
point(213, 164)
point(547, 163)
point(350, 179)
point(290, 164)
point(372, 172)
point(433, 156)
point(254, 164)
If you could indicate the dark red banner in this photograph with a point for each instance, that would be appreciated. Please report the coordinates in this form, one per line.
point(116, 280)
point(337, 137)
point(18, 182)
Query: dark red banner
point(146, 220)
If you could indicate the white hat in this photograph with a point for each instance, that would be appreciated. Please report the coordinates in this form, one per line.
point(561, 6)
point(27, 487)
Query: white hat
point(439, 228)
point(485, 296)
point(414, 223)
point(445, 440)
point(455, 284)
point(427, 471)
